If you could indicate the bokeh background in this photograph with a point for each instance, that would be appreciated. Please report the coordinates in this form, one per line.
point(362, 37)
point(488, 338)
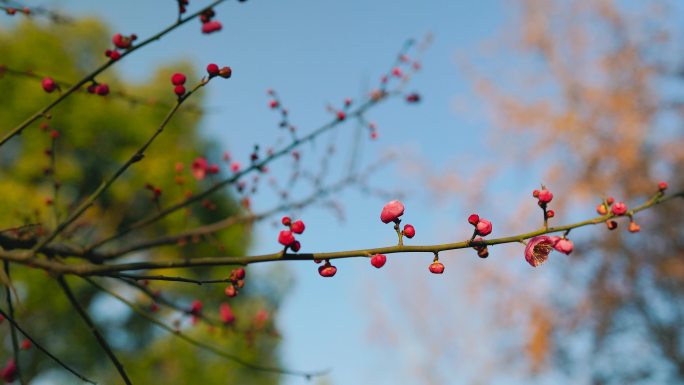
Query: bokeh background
point(585, 97)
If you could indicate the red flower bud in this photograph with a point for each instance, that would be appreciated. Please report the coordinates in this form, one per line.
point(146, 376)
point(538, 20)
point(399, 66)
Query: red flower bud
point(473, 219)
point(619, 208)
point(378, 260)
point(545, 196)
point(436, 268)
point(286, 238)
point(298, 227)
point(178, 79)
point(49, 84)
point(409, 231)
point(212, 69)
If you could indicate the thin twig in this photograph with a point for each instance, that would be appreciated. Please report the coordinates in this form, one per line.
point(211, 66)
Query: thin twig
point(43, 349)
point(86, 318)
point(91, 76)
point(203, 345)
point(136, 157)
point(13, 330)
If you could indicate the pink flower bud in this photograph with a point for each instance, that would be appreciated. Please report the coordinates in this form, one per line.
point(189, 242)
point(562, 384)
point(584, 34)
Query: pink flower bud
point(662, 186)
point(286, 238)
point(286, 221)
point(48, 84)
point(196, 307)
point(226, 313)
point(239, 273)
point(230, 291)
point(619, 208)
point(563, 245)
point(545, 196)
point(378, 260)
point(483, 227)
point(409, 231)
point(298, 227)
point(473, 219)
point(211, 26)
point(392, 211)
point(436, 268)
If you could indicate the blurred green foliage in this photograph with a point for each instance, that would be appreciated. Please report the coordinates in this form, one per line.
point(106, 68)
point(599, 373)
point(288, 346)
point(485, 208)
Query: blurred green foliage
point(96, 135)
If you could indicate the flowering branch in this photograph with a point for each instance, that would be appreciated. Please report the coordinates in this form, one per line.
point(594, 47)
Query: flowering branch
point(91, 76)
point(203, 345)
point(40, 347)
point(87, 269)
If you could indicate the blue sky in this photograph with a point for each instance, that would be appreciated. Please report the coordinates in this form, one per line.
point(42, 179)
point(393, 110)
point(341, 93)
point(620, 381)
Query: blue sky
point(319, 52)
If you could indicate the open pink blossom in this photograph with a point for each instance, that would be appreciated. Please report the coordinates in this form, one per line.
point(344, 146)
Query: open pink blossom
point(538, 249)
point(392, 211)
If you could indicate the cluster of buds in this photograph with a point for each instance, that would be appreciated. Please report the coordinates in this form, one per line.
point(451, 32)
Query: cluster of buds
point(13, 11)
point(178, 79)
point(544, 197)
point(275, 104)
point(237, 282)
point(391, 213)
point(482, 226)
point(101, 89)
point(287, 238)
point(200, 168)
point(615, 208)
point(214, 70)
point(209, 25)
point(183, 6)
point(120, 42)
point(538, 248)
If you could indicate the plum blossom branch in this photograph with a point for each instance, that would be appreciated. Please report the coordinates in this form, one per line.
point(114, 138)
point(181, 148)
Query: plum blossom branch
point(136, 157)
point(201, 344)
point(91, 76)
point(86, 269)
point(40, 347)
point(259, 165)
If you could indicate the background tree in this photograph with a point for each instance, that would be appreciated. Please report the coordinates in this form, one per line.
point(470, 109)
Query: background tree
point(47, 170)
